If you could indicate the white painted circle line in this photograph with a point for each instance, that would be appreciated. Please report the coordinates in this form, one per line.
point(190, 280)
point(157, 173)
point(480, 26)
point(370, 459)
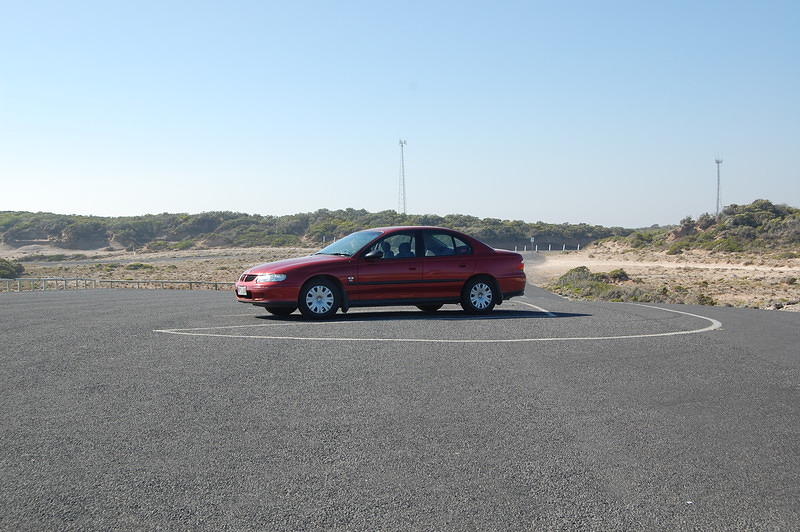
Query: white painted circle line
point(540, 309)
point(714, 324)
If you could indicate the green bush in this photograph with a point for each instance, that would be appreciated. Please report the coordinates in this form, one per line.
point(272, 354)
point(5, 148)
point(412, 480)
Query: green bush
point(676, 248)
point(183, 244)
point(85, 234)
point(727, 244)
point(158, 245)
point(52, 258)
point(139, 266)
point(10, 269)
point(704, 221)
point(618, 275)
point(582, 283)
point(703, 299)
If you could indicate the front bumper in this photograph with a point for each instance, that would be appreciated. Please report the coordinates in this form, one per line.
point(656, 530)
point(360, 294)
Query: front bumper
point(271, 294)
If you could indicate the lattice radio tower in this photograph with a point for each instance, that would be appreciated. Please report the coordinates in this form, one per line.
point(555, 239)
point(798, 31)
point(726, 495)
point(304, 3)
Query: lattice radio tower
point(401, 200)
point(718, 161)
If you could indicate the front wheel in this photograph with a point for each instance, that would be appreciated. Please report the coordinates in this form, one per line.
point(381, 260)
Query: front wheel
point(429, 308)
point(319, 298)
point(479, 296)
point(281, 311)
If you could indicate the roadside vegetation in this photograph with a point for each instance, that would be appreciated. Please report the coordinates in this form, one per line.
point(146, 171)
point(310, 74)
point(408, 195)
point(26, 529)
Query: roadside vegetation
point(175, 232)
point(10, 269)
point(758, 227)
point(748, 256)
point(617, 285)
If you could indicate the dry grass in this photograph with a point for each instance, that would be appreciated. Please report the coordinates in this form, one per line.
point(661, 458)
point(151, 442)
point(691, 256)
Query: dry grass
point(216, 265)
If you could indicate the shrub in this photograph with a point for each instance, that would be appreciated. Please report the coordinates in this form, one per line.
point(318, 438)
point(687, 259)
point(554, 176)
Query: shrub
point(158, 245)
point(676, 248)
point(139, 266)
point(85, 234)
point(183, 244)
point(581, 282)
point(618, 275)
point(703, 299)
point(10, 269)
point(787, 255)
point(705, 220)
point(728, 244)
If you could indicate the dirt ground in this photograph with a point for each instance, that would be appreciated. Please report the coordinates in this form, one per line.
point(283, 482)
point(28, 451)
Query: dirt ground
point(736, 279)
point(216, 265)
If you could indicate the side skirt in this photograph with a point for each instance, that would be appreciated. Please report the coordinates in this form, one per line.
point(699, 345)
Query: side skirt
point(402, 302)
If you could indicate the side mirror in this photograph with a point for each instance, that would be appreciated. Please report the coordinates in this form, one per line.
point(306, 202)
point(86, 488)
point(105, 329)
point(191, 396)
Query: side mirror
point(374, 254)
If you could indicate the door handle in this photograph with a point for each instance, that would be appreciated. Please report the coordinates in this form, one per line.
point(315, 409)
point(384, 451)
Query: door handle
point(462, 265)
point(412, 268)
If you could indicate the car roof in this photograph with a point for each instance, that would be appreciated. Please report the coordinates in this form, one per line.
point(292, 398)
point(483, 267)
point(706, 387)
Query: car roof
point(407, 227)
point(472, 239)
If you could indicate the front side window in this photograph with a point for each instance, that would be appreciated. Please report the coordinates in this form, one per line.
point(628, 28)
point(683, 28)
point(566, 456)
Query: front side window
point(397, 246)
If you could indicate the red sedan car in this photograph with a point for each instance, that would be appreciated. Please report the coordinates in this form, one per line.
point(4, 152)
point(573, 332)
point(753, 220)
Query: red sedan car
point(421, 266)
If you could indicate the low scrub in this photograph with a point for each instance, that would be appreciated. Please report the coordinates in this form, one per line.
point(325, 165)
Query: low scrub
point(139, 266)
point(758, 226)
point(616, 285)
point(10, 269)
point(52, 258)
point(163, 245)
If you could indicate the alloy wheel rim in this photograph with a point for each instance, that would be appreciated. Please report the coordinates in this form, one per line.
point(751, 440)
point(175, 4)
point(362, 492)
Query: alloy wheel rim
point(480, 296)
point(319, 299)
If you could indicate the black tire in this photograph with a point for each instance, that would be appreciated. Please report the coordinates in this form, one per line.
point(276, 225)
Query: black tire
point(281, 311)
point(479, 296)
point(429, 309)
point(319, 299)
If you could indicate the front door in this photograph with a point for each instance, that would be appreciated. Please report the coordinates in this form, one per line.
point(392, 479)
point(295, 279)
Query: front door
point(396, 275)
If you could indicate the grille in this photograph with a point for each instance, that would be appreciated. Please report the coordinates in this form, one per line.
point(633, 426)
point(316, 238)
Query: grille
point(246, 278)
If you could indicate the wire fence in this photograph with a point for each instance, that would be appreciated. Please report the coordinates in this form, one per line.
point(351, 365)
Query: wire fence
point(27, 284)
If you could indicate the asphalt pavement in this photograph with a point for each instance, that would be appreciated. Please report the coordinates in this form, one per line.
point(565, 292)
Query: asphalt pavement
point(137, 409)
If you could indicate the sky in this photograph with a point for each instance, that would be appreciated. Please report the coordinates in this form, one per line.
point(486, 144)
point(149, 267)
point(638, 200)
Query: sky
point(600, 112)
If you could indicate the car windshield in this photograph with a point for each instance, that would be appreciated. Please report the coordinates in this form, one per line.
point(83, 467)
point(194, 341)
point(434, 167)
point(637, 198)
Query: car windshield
point(350, 244)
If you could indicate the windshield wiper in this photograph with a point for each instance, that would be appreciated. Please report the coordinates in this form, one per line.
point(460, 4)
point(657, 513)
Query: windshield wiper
point(338, 254)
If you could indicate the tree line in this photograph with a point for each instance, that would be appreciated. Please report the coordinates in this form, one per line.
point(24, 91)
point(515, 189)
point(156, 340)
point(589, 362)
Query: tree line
point(234, 229)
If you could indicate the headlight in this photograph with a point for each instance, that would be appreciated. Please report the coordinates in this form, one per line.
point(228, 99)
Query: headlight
point(270, 277)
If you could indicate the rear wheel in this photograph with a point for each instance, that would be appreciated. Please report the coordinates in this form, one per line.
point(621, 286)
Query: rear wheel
point(281, 311)
point(429, 308)
point(319, 298)
point(479, 296)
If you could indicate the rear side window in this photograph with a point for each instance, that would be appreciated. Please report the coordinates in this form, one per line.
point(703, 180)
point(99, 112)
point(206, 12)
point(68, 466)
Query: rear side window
point(462, 248)
point(444, 244)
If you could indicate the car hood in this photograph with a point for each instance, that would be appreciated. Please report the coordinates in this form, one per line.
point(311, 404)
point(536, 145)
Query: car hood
point(281, 266)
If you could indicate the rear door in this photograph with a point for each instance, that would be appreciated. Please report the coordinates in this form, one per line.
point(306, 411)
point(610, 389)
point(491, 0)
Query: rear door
point(447, 263)
point(395, 276)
